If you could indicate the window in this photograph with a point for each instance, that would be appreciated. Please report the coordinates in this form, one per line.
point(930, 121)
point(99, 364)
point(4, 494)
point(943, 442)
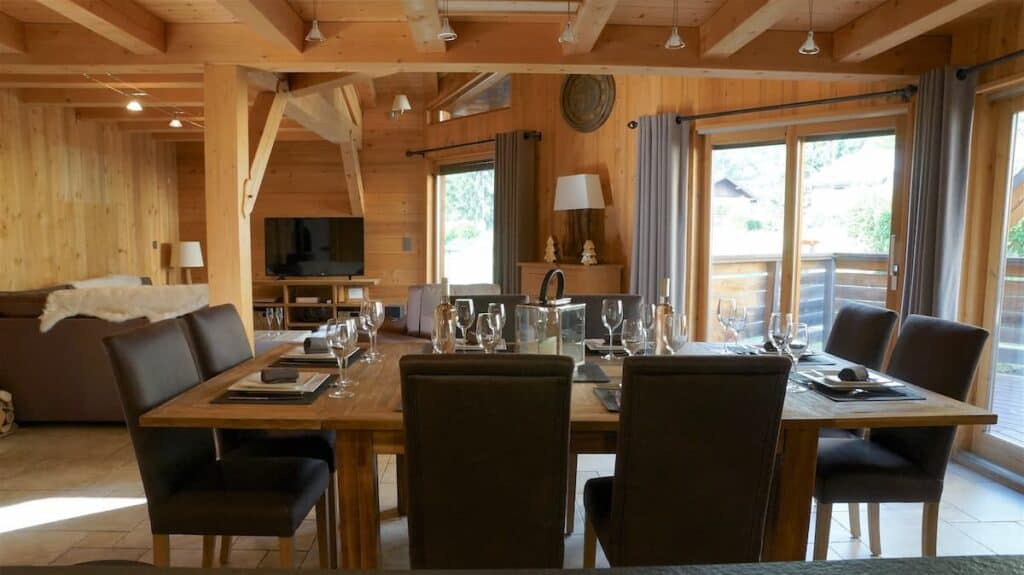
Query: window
point(494, 92)
point(466, 222)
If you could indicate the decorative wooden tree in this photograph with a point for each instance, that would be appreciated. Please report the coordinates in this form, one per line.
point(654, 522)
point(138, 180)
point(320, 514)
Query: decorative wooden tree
point(551, 251)
point(589, 254)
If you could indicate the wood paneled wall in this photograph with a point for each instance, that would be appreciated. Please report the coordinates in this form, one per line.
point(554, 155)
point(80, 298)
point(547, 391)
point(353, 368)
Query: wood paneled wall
point(993, 32)
point(80, 199)
point(306, 179)
point(610, 151)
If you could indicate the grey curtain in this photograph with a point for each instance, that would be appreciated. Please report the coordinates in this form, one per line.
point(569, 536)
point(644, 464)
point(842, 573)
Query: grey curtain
point(938, 193)
point(659, 222)
point(515, 206)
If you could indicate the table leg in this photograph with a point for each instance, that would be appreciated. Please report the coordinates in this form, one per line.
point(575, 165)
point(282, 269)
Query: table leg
point(359, 516)
point(789, 514)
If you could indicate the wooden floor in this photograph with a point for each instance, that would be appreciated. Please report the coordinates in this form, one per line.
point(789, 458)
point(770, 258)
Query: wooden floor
point(72, 494)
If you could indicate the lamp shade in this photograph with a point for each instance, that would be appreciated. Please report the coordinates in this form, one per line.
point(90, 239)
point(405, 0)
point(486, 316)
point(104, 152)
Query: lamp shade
point(187, 255)
point(578, 192)
point(401, 104)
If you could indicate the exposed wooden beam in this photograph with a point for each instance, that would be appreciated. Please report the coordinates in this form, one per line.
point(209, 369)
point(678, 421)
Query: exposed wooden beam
point(123, 22)
point(893, 23)
point(590, 22)
point(101, 81)
point(367, 93)
point(350, 117)
point(264, 122)
point(266, 81)
point(78, 98)
point(195, 135)
point(737, 22)
point(317, 115)
point(353, 176)
point(273, 20)
point(350, 98)
point(474, 84)
point(12, 34)
point(482, 46)
point(119, 114)
point(425, 23)
point(302, 84)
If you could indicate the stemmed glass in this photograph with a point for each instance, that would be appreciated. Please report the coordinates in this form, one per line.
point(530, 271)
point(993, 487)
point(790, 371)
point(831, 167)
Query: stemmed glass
point(464, 317)
point(611, 315)
point(633, 336)
point(268, 316)
point(726, 313)
point(798, 344)
point(372, 315)
point(342, 337)
point(739, 321)
point(677, 331)
point(487, 332)
point(497, 312)
point(647, 321)
point(279, 316)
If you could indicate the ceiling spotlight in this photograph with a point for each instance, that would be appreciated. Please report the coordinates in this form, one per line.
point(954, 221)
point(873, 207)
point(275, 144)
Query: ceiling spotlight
point(175, 123)
point(399, 106)
point(568, 35)
point(447, 33)
point(314, 34)
point(810, 47)
point(134, 105)
point(675, 41)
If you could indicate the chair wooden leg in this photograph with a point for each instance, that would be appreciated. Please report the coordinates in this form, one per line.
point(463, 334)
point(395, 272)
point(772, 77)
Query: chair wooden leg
point(225, 549)
point(854, 520)
point(402, 484)
point(209, 547)
point(570, 498)
point(323, 545)
point(874, 530)
point(286, 552)
point(161, 550)
point(929, 529)
point(332, 518)
point(589, 545)
point(822, 527)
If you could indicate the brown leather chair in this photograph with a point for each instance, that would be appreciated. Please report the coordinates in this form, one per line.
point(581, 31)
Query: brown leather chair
point(486, 441)
point(907, 464)
point(188, 490)
point(220, 343)
point(694, 462)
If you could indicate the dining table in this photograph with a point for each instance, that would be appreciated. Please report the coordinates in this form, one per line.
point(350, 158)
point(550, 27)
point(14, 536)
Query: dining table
point(370, 423)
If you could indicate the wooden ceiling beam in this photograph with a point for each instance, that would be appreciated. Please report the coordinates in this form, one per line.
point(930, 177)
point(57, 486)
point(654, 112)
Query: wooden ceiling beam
point(12, 34)
point(894, 23)
point(264, 123)
point(378, 49)
point(123, 116)
point(302, 84)
point(100, 81)
point(590, 21)
point(196, 135)
point(353, 177)
point(108, 99)
point(367, 93)
point(274, 21)
point(123, 22)
point(318, 115)
point(424, 20)
point(737, 22)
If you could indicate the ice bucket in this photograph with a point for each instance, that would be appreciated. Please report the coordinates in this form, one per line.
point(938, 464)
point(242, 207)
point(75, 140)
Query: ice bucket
point(552, 325)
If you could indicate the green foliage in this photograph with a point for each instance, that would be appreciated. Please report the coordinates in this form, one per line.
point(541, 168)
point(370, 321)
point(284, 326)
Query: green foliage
point(469, 198)
point(872, 226)
point(754, 225)
point(1015, 240)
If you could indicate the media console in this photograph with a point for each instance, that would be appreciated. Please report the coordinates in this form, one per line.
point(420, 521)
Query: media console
point(310, 301)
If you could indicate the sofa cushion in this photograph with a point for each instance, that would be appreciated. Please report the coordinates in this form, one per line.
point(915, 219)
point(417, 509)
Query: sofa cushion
point(424, 298)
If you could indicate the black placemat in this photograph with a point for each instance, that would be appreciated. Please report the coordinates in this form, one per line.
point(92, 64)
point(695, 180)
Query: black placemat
point(317, 363)
point(609, 397)
point(590, 373)
point(900, 393)
point(234, 397)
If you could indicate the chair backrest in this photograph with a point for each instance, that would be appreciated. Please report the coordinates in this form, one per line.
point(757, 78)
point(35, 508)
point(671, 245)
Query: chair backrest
point(696, 451)
point(511, 302)
point(595, 325)
point(487, 443)
point(218, 339)
point(940, 356)
point(152, 365)
point(861, 333)
point(423, 298)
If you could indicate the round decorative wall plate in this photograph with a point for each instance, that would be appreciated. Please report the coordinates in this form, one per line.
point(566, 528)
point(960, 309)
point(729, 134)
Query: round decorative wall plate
point(587, 100)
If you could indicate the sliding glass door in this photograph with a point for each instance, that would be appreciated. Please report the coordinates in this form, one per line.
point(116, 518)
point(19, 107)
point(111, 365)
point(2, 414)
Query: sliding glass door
point(466, 222)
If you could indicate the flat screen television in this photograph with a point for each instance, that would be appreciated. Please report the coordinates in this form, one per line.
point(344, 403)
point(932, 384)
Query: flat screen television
point(314, 246)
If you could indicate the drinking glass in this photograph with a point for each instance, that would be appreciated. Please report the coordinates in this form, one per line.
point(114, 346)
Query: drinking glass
point(372, 315)
point(739, 321)
point(497, 312)
point(780, 331)
point(486, 333)
point(677, 329)
point(633, 336)
point(647, 313)
point(268, 316)
point(342, 337)
point(726, 313)
point(611, 315)
point(279, 316)
point(464, 316)
point(798, 344)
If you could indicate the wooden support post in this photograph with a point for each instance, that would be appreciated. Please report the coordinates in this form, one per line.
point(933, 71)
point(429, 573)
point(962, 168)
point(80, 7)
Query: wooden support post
point(264, 123)
point(226, 145)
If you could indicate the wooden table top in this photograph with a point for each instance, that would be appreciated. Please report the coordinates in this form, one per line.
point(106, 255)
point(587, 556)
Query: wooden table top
point(378, 397)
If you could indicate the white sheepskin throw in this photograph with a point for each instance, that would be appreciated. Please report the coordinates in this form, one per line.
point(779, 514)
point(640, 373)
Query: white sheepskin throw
point(117, 304)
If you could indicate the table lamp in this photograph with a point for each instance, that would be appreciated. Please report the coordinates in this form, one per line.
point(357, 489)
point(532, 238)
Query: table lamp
point(578, 194)
point(186, 256)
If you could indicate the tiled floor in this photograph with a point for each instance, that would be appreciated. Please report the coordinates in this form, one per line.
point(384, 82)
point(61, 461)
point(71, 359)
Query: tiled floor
point(72, 494)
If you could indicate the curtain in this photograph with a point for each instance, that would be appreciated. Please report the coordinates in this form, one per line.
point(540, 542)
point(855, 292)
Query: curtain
point(938, 193)
point(659, 222)
point(515, 206)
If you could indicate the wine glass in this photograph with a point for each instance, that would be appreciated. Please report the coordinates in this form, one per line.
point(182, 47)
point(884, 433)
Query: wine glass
point(633, 336)
point(611, 315)
point(726, 313)
point(464, 316)
point(739, 321)
point(647, 313)
point(486, 332)
point(798, 344)
point(372, 315)
point(497, 312)
point(279, 316)
point(268, 316)
point(342, 337)
point(677, 331)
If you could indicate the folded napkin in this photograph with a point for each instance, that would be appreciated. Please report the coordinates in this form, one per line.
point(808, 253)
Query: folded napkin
point(315, 345)
point(769, 346)
point(853, 373)
point(279, 375)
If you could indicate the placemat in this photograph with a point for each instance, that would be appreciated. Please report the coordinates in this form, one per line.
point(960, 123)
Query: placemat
point(609, 398)
point(317, 363)
point(590, 373)
point(233, 397)
point(902, 393)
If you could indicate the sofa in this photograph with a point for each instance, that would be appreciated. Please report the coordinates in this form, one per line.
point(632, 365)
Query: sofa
point(419, 311)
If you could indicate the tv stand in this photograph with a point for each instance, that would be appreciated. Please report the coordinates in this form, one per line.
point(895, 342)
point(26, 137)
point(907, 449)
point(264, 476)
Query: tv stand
point(334, 297)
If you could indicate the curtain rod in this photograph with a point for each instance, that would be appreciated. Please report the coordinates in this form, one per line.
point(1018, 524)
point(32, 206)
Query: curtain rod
point(962, 73)
point(529, 135)
point(905, 92)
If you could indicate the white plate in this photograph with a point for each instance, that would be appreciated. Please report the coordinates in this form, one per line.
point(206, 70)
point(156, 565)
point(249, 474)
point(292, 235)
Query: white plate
point(830, 378)
point(307, 382)
point(298, 354)
point(600, 345)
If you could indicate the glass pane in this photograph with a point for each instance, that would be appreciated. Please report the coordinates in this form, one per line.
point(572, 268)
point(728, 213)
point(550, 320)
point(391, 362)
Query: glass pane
point(845, 226)
point(1007, 395)
point(493, 97)
point(468, 227)
point(747, 208)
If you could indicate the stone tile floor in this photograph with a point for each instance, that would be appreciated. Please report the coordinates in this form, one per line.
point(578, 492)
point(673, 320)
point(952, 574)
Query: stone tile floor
point(72, 493)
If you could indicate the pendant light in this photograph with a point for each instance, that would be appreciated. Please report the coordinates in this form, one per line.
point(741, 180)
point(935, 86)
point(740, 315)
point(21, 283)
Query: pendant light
point(810, 47)
point(175, 121)
point(399, 106)
point(568, 35)
point(134, 105)
point(314, 34)
point(447, 33)
point(675, 41)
